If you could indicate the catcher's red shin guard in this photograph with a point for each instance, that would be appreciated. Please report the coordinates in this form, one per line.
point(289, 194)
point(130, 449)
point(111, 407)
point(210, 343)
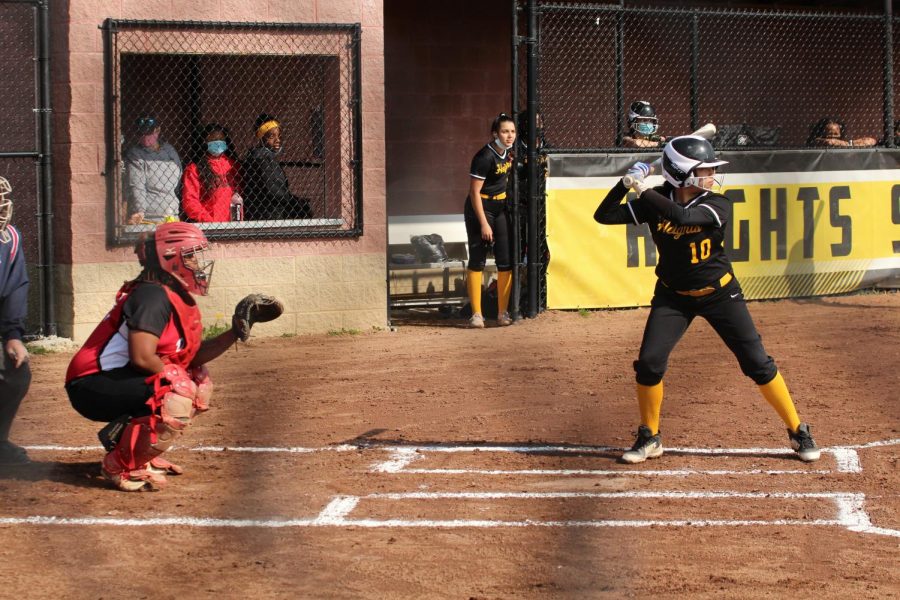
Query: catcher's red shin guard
point(133, 465)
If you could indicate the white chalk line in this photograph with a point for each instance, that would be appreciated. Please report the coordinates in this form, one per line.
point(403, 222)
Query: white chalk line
point(850, 507)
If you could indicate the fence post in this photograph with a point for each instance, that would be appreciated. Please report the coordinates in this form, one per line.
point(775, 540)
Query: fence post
point(695, 70)
point(888, 74)
point(45, 226)
point(516, 237)
point(533, 253)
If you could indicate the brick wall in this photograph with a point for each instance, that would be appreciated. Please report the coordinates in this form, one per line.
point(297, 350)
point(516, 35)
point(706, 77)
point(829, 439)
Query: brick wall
point(448, 75)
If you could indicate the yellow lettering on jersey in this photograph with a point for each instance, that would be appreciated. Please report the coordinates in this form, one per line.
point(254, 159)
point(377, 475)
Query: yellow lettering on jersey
point(502, 168)
point(676, 231)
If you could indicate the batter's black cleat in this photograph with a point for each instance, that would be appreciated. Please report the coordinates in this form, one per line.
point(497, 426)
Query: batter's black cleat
point(12, 455)
point(645, 446)
point(803, 443)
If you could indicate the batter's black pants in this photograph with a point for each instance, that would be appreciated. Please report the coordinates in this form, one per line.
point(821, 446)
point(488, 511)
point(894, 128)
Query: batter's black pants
point(726, 312)
point(13, 387)
point(498, 218)
point(108, 395)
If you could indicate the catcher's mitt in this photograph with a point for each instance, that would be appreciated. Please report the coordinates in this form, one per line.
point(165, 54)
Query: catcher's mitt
point(255, 308)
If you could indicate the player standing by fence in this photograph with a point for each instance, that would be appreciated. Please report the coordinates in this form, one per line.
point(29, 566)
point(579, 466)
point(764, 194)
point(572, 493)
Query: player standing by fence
point(488, 219)
point(687, 220)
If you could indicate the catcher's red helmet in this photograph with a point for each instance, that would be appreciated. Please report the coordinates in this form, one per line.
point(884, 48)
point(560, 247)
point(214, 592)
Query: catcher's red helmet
point(180, 250)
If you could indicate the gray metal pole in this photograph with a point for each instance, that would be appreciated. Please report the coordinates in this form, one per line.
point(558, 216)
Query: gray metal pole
point(46, 170)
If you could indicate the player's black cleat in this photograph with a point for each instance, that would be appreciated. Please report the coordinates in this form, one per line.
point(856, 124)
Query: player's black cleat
point(110, 434)
point(803, 443)
point(645, 446)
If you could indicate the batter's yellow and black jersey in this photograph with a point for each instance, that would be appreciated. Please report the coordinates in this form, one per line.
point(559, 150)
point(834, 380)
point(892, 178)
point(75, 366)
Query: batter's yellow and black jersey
point(493, 168)
point(689, 239)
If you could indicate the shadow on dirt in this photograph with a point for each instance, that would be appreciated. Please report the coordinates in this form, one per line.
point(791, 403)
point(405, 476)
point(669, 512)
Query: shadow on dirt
point(80, 474)
point(370, 439)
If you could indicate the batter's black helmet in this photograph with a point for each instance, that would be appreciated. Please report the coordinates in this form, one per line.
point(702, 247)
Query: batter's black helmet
point(684, 154)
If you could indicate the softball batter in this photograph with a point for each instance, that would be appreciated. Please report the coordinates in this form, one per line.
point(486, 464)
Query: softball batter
point(487, 219)
point(694, 278)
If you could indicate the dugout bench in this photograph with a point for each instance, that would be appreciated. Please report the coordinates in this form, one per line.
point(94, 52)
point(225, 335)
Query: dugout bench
point(429, 284)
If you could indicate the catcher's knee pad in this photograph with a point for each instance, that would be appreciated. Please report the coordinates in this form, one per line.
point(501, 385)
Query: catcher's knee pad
point(648, 373)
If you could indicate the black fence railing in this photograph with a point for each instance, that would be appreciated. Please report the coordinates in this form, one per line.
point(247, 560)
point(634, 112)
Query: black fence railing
point(250, 130)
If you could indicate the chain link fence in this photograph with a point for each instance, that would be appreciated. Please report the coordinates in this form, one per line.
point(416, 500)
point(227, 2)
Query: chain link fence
point(19, 139)
point(249, 130)
point(764, 77)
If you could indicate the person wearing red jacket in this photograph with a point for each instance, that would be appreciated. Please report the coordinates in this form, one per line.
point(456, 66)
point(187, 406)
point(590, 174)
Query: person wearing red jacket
point(212, 183)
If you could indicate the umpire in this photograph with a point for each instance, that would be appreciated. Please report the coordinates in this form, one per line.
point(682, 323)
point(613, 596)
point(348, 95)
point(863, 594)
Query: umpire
point(15, 375)
point(688, 219)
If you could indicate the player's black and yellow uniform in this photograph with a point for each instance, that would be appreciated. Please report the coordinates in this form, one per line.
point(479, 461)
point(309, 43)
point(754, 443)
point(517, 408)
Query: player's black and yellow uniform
point(694, 279)
point(493, 168)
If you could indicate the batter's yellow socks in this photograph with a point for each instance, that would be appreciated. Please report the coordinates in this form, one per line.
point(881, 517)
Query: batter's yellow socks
point(650, 399)
point(777, 394)
point(504, 287)
point(473, 286)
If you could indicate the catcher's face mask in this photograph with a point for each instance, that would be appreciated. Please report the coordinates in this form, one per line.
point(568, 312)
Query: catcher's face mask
point(200, 268)
point(6, 209)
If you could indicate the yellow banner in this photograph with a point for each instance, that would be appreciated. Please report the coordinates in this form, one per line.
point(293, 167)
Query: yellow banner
point(790, 235)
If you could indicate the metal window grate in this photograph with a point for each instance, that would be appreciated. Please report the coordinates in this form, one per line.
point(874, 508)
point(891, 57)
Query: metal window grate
point(197, 82)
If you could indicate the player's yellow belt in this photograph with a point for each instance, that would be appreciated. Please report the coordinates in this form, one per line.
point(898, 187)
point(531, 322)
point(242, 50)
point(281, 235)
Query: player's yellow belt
point(501, 196)
point(708, 289)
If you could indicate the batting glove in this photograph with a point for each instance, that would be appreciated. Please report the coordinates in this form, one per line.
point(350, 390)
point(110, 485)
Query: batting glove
point(639, 171)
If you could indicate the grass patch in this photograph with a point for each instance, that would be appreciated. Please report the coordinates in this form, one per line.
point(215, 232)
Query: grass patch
point(288, 335)
point(37, 349)
point(216, 329)
point(584, 312)
point(344, 331)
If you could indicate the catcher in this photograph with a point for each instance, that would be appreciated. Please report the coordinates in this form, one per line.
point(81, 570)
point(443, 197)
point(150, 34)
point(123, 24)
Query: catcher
point(143, 369)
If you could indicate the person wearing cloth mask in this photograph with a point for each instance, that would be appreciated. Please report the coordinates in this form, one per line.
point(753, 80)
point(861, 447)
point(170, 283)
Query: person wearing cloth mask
point(266, 187)
point(488, 221)
point(212, 183)
point(154, 175)
point(15, 375)
point(642, 127)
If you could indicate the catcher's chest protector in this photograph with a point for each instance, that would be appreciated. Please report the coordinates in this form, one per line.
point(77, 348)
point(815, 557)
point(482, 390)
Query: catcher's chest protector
point(178, 343)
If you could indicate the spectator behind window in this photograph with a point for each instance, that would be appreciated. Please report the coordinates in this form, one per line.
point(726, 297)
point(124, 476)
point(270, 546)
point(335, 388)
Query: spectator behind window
point(643, 127)
point(153, 169)
point(831, 132)
point(212, 182)
point(267, 191)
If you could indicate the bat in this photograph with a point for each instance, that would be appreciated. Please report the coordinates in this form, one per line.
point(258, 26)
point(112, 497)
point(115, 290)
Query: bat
point(706, 132)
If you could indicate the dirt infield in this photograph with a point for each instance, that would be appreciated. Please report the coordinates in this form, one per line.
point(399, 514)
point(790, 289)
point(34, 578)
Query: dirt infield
point(436, 461)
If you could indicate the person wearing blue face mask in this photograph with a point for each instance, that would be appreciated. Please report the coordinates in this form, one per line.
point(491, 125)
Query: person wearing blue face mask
point(643, 127)
point(267, 190)
point(212, 183)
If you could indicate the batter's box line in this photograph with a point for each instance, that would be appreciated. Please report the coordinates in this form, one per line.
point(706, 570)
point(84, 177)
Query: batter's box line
point(846, 460)
point(849, 508)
